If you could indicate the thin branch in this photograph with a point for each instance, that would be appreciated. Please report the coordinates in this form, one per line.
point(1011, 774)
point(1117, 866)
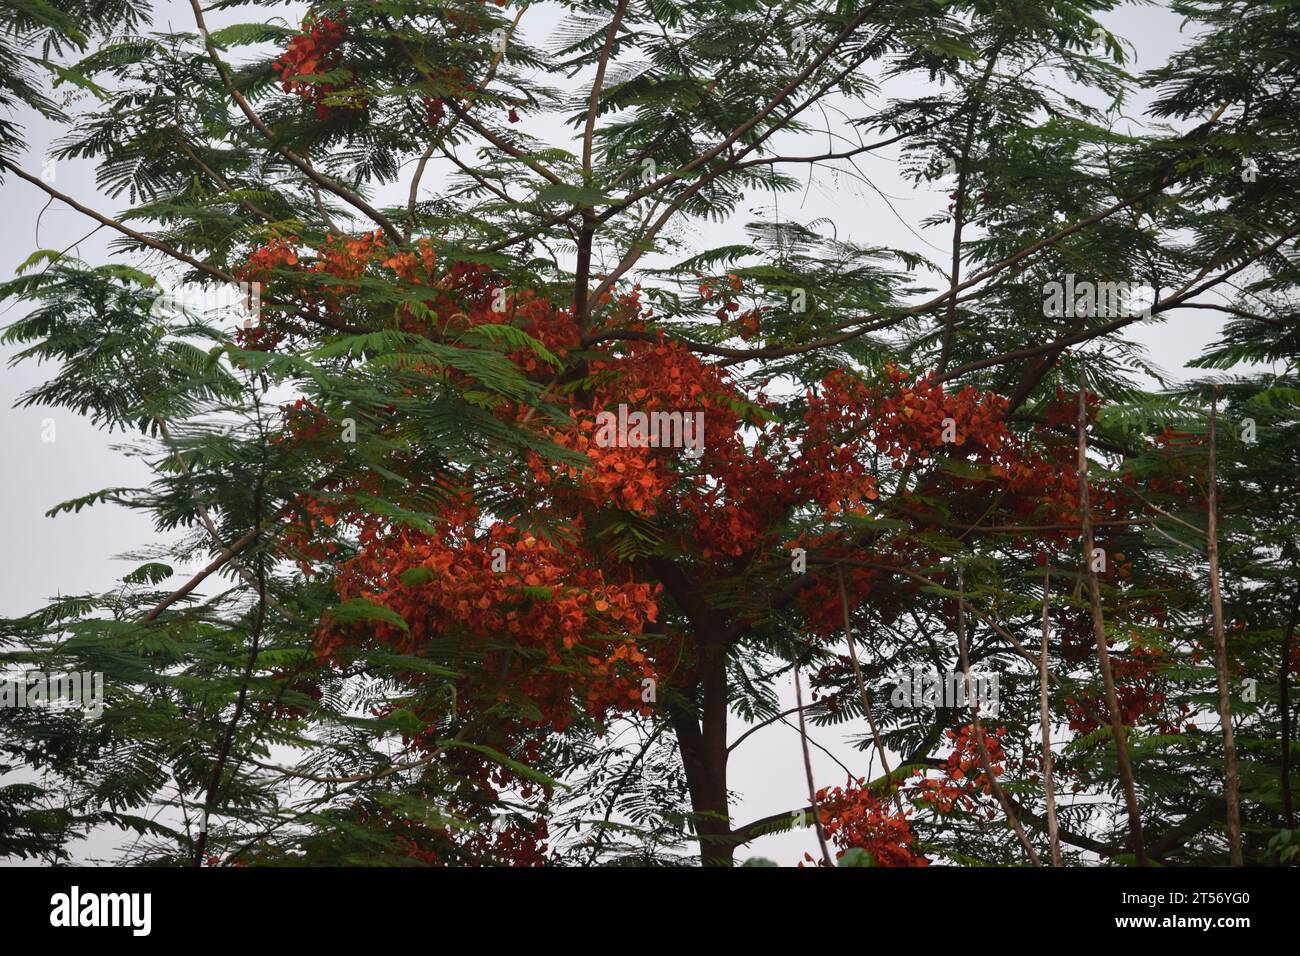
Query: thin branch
point(206, 519)
point(589, 132)
point(165, 249)
point(316, 177)
point(1170, 302)
point(767, 723)
point(259, 620)
point(1284, 706)
point(959, 209)
point(862, 684)
point(618, 790)
point(1045, 722)
point(120, 227)
point(784, 94)
point(1013, 818)
point(1231, 780)
point(824, 750)
point(878, 322)
point(807, 766)
point(1099, 634)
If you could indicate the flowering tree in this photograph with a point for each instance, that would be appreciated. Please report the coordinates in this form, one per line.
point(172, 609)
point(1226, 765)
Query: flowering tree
point(492, 460)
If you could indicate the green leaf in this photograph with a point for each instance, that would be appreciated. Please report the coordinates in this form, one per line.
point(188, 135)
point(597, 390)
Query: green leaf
point(572, 195)
point(856, 856)
point(359, 609)
point(150, 573)
point(414, 577)
point(243, 34)
point(514, 337)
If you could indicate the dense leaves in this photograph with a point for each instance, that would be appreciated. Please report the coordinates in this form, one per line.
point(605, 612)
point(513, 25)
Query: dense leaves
point(471, 463)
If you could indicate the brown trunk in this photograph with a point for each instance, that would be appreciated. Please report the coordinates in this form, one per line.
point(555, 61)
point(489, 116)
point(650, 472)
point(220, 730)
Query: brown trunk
point(582, 274)
point(704, 758)
point(704, 739)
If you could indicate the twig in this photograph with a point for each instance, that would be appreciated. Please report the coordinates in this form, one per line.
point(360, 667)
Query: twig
point(862, 685)
point(807, 766)
point(1012, 817)
point(319, 179)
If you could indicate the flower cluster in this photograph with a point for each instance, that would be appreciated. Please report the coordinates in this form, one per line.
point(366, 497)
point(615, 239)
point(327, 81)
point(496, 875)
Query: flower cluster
point(311, 54)
point(962, 781)
point(572, 628)
point(1139, 690)
point(852, 817)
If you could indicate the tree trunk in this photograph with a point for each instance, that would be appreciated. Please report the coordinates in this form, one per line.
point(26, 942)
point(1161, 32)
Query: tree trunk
point(704, 739)
point(704, 758)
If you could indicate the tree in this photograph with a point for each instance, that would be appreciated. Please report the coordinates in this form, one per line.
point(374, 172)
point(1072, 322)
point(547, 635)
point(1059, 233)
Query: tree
point(494, 459)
